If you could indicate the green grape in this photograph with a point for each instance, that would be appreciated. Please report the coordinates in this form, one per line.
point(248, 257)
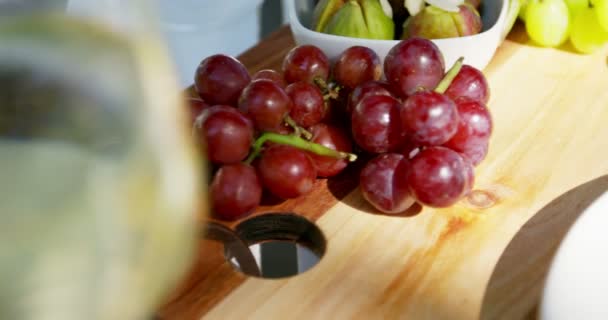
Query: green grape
point(601, 11)
point(586, 34)
point(547, 22)
point(575, 7)
point(522, 9)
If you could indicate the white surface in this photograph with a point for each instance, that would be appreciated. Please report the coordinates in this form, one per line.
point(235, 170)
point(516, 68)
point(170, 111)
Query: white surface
point(577, 282)
point(477, 50)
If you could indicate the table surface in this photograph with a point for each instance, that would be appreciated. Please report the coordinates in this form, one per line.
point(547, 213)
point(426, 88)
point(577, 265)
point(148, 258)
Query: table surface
point(546, 165)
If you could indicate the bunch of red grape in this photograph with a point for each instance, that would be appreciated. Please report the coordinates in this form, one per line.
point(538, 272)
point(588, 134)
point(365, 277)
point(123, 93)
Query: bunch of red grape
point(267, 130)
point(425, 128)
point(428, 127)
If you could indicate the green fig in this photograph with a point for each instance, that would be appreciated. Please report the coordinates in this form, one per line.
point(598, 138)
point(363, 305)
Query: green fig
point(348, 21)
point(323, 11)
point(354, 18)
point(436, 23)
point(379, 25)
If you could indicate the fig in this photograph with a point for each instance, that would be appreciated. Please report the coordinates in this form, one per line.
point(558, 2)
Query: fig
point(323, 11)
point(474, 3)
point(379, 24)
point(348, 21)
point(354, 18)
point(467, 20)
point(415, 6)
point(435, 23)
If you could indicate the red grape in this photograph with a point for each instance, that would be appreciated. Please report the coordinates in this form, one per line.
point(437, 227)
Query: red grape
point(438, 177)
point(357, 65)
point(235, 191)
point(286, 171)
point(376, 125)
point(272, 75)
point(265, 103)
point(220, 79)
point(305, 63)
point(370, 88)
point(414, 64)
point(228, 134)
point(333, 138)
point(196, 107)
point(469, 82)
point(429, 118)
point(308, 106)
point(383, 184)
point(476, 152)
point(474, 130)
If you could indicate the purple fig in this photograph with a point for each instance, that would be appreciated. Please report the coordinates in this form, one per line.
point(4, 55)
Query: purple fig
point(435, 23)
point(474, 3)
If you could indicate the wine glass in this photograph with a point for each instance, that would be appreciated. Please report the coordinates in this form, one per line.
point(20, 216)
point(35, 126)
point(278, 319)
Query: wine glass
point(100, 182)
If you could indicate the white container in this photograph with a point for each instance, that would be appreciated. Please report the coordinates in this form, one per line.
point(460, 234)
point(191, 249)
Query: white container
point(477, 50)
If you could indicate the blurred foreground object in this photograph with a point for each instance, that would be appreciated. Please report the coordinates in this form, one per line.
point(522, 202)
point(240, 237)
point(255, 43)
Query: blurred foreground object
point(99, 186)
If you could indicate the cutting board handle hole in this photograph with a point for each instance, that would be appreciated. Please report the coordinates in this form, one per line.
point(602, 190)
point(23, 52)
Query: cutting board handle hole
point(282, 244)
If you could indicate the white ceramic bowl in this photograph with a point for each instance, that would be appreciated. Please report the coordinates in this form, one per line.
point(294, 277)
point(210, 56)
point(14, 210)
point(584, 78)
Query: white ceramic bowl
point(477, 50)
point(577, 283)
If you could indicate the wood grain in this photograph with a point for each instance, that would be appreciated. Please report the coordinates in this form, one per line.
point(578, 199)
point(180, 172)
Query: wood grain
point(546, 163)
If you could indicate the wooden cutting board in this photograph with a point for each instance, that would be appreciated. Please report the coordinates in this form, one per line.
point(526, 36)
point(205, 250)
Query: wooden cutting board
point(483, 258)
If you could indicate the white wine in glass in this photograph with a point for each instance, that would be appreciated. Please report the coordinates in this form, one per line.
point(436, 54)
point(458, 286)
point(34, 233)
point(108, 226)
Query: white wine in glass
point(101, 189)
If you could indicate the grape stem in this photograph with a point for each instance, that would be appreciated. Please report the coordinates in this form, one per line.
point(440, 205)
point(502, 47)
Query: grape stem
point(449, 76)
point(299, 143)
point(330, 91)
point(298, 131)
point(321, 84)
